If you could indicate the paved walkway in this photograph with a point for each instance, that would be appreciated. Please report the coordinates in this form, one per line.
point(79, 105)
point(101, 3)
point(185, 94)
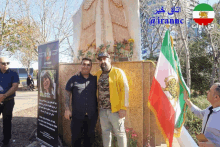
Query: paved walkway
point(28, 99)
point(24, 118)
point(24, 100)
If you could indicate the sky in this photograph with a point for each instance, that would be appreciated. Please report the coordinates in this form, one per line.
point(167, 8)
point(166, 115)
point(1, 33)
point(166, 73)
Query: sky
point(15, 63)
point(210, 2)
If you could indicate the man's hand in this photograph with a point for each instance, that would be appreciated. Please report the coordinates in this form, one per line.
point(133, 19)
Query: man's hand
point(67, 114)
point(186, 98)
point(2, 97)
point(122, 113)
point(206, 144)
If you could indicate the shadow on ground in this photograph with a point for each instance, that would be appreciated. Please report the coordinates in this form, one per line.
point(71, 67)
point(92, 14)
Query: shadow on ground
point(24, 123)
point(25, 89)
point(22, 128)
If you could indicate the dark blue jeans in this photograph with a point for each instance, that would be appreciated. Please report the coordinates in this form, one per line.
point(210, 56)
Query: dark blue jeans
point(6, 110)
point(86, 125)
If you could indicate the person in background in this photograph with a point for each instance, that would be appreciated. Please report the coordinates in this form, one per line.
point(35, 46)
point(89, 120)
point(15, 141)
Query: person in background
point(8, 85)
point(30, 83)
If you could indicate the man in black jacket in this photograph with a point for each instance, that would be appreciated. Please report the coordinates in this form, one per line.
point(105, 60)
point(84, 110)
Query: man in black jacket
point(84, 104)
point(30, 83)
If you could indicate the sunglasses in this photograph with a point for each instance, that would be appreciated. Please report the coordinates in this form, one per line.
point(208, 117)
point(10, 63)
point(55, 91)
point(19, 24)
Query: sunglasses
point(5, 63)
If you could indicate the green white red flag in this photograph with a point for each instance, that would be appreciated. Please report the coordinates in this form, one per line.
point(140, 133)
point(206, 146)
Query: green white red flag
point(167, 92)
point(203, 14)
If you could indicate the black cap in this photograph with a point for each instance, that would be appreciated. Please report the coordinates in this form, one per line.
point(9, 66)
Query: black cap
point(104, 54)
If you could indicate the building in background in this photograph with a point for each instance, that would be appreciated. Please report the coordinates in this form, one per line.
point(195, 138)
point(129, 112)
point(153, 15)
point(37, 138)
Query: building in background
point(191, 4)
point(22, 72)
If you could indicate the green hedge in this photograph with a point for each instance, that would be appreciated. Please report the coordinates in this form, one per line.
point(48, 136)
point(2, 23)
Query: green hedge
point(193, 124)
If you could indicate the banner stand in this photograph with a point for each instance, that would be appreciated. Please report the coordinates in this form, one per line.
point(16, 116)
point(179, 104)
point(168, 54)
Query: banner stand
point(35, 131)
point(47, 118)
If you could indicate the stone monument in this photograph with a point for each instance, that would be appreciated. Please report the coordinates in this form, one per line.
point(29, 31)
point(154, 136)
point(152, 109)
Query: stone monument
point(107, 25)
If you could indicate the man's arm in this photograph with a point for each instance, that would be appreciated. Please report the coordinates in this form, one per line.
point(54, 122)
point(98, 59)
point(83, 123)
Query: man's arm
point(67, 98)
point(197, 111)
point(68, 113)
point(186, 98)
point(9, 92)
point(12, 89)
point(206, 144)
point(124, 89)
point(68, 89)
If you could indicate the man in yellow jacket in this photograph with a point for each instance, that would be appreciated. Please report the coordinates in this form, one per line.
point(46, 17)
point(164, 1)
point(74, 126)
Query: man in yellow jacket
point(113, 92)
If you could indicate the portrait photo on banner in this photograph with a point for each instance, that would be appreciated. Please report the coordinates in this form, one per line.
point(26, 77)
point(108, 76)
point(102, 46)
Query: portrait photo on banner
point(47, 84)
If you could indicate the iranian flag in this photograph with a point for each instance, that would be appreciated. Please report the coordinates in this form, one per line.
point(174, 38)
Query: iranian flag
point(203, 14)
point(167, 92)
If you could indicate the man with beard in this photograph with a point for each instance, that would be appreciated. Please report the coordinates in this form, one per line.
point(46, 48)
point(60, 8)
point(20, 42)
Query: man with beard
point(8, 85)
point(113, 99)
point(84, 114)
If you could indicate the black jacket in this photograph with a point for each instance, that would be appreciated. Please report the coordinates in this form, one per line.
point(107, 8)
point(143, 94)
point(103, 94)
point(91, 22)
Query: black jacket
point(29, 81)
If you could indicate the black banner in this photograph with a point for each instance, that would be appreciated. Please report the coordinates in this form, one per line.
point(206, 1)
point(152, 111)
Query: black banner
point(47, 121)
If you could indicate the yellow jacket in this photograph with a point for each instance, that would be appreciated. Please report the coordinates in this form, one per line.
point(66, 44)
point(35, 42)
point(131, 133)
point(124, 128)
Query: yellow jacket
point(118, 87)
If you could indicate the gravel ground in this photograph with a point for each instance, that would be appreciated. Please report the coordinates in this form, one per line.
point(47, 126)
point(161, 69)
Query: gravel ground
point(23, 123)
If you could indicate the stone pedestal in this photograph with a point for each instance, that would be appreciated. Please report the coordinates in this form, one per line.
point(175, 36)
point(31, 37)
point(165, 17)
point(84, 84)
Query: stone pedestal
point(139, 75)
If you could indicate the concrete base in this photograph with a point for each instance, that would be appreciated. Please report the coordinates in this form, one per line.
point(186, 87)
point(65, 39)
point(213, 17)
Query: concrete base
point(38, 144)
point(34, 144)
point(175, 143)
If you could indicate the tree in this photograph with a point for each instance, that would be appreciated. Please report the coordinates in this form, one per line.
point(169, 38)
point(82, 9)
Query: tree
point(53, 18)
point(19, 36)
point(151, 34)
point(214, 41)
point(204, 60)
point(9, 30)
point(29, 38)
point(182, 36)
point(201, 65)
